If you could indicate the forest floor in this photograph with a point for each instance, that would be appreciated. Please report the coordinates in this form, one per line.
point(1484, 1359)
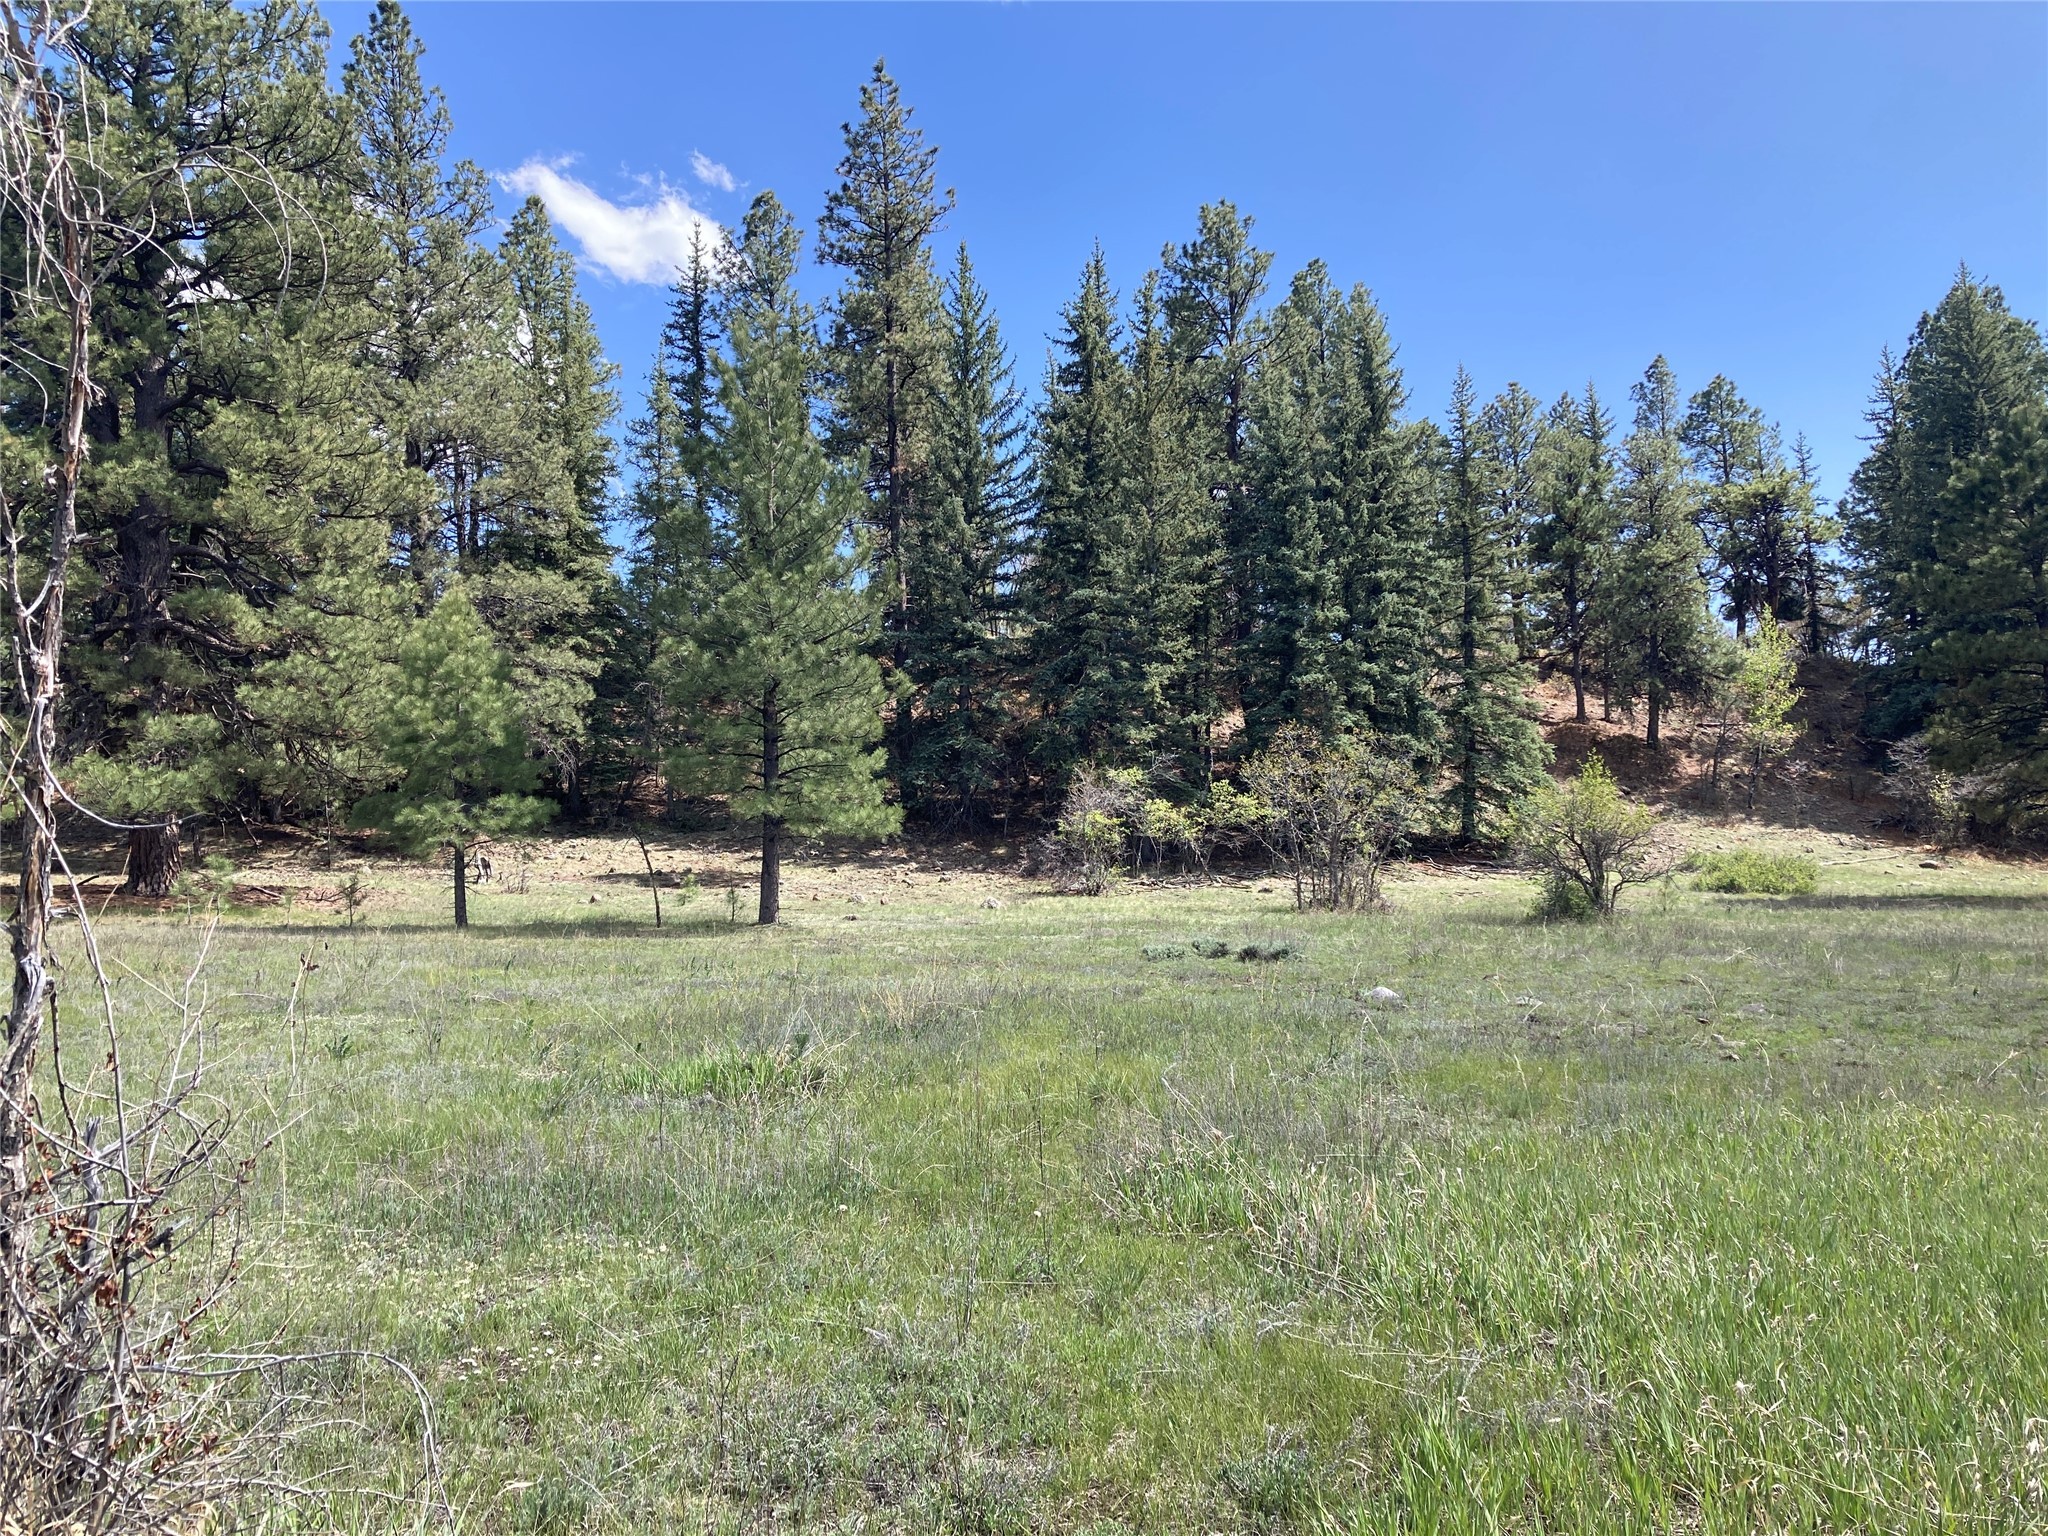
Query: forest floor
point(953, 1204)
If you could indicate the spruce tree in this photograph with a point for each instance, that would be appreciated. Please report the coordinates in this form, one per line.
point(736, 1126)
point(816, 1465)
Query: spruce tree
point(773, 676)
point(1292, 588)
point(1511, 436)
point(1212, 287)
point(1089, 650)
point(1492, 749)
point(1983, 599)
point(885, 342)
point(1969, 367)
point(969, 545)
point(1571, 543)
point(1658, 639)
point(1173, 526)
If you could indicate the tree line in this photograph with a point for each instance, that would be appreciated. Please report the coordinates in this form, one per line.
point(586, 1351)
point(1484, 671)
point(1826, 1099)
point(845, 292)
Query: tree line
point(362, 536)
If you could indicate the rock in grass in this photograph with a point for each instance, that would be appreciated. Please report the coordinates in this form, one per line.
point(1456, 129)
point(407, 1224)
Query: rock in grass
point(1163, 951)
point(1383, 995)
point(993, 904)
point(1210, 949)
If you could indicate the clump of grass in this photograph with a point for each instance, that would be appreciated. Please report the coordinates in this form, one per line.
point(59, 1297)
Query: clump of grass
point(1210, 949)
point(1272, 1487)
point(1163, 951)
point(1266, 953)
point(1750, 872)
point(789, 1070)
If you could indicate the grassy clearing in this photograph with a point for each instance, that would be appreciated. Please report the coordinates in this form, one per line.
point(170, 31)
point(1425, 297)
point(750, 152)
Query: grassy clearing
point(1729, 1216)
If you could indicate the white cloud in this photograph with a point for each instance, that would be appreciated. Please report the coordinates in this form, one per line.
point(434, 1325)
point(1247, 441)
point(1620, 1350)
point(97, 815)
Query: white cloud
point(636, 242)
point(710, 172)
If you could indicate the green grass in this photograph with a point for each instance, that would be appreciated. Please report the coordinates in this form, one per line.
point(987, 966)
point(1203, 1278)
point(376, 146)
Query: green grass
point(1755, 872)
point(1721, 1217)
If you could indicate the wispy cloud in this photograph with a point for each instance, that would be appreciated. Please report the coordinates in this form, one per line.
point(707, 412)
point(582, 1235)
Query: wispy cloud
point(633, 242)
point(710, 172)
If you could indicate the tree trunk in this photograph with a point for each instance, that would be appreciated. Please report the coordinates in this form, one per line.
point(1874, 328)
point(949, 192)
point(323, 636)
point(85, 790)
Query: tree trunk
point(155, 856)
point(771, 870)
point(461, 886)
point(1578, 685)
point(1650, 736)
point(771, 825)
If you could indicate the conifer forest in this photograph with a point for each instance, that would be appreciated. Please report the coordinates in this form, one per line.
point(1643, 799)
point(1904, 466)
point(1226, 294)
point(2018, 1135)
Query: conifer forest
point(1296, 1173)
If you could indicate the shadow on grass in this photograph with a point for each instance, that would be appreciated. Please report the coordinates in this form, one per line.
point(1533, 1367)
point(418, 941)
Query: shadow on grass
point(1916, 900)
point(706, 926)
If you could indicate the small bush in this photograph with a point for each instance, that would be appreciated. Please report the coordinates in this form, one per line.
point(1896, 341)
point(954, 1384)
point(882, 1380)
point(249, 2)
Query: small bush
point(1163, 951)
point(1265, 952)
point(1273, 1487)
point(1588, 843)
point(1748, 872)
point(1210, 949)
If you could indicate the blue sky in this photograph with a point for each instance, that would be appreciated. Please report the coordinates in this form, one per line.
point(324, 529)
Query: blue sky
point(1548, 194)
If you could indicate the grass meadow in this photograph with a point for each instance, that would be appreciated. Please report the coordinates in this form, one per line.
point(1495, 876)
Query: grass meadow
point(923, 1214)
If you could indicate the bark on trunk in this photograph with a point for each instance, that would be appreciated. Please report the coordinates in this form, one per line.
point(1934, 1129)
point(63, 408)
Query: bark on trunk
point(461, 886)
point(771, 825)
point(155, 856)
point(771, 871)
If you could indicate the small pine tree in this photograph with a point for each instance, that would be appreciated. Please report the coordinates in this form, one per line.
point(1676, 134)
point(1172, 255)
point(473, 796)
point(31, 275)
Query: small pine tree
point(773, 676)
point(451, 730)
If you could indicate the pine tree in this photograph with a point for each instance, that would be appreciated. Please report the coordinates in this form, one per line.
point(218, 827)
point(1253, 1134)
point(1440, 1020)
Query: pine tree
point(451, 729)
point(1173, 526)
point(1511, 436)
point(1493, 750)
point(1970, 366)
point(1089, 652)
point(229, 459)
point(1749, 503)
point(774, 675)
point(1392, 593)
point(969, 544)
point(1658, 639)
point(1292, 583)
point(1817, 577)
point(885, 340)
point(1572, 541)
point(1212, 288)
point(1346, 584)
point(1984, 605)
point(552, 565)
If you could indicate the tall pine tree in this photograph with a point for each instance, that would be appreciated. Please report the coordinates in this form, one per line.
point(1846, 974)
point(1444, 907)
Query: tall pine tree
point(1493, 752)
point(774, 676)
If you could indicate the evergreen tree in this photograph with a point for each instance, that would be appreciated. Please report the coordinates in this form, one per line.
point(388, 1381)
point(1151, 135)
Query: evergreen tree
point(1572, 541)
point(1658, 638)
point(1493, 750)
point(773, 675)
point(1292, 586)
point(1212, 288)
point(1511, 437)
point(550, 569)
point(1089, 651)
point(885, 340)
point(451, 729)
point(1346, 584)
point(1970, 366)
point(229, 459)
point(1173, 526)
point(1816, 568)
point(1983, 598)
point(968, 543)
point(1750, 504)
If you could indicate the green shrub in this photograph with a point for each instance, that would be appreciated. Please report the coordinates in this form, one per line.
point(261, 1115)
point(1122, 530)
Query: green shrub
point(1163, 951)
point(1210, 949)
point(1265, 952)
point(1748, 872)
